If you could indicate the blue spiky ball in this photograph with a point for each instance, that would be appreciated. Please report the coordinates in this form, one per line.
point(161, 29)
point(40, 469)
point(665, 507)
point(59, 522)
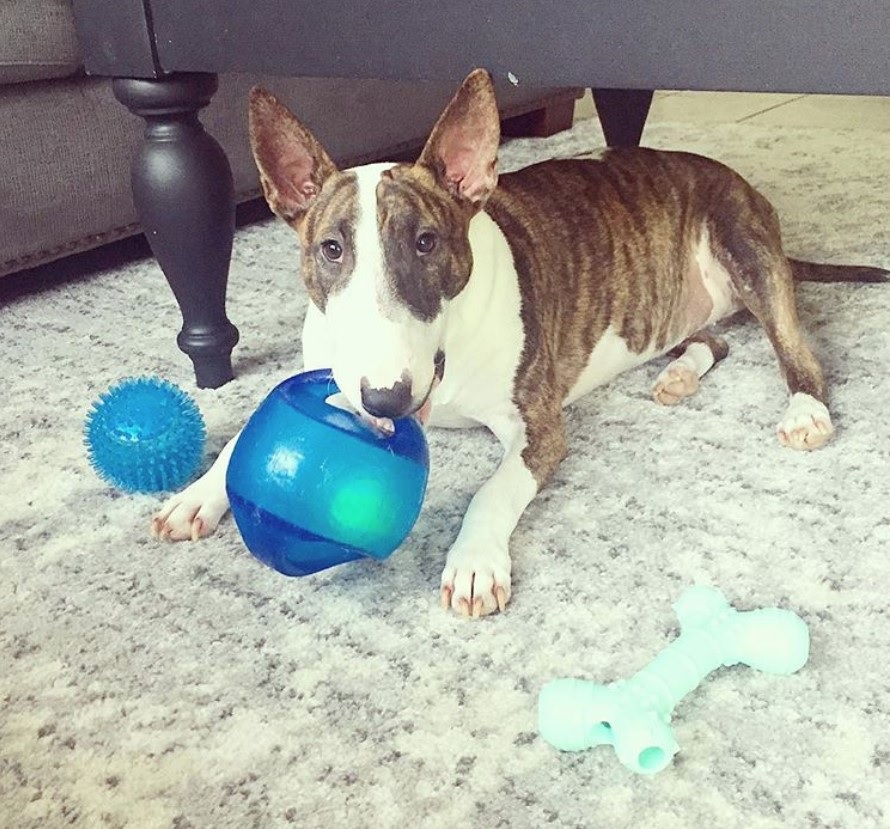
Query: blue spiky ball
point(145, 435)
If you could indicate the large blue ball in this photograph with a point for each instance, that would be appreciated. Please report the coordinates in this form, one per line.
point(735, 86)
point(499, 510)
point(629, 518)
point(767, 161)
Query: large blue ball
point(312, 486)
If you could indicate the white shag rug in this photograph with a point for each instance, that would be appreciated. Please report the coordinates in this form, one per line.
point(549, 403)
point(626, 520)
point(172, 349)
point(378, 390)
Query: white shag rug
point(189, 687)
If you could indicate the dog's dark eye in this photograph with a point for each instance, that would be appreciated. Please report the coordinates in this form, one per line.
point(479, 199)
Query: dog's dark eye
point(332, 250)
point(426, 242)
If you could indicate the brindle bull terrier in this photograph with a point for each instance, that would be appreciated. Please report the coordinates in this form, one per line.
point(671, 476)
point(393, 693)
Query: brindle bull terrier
point(439, 290)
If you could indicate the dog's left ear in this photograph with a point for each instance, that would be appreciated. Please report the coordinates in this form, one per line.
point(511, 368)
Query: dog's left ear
point(463, 147)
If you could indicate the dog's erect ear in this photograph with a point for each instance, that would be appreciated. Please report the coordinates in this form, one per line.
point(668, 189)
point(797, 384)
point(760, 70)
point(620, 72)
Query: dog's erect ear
point(293, 165)
point(463, 146)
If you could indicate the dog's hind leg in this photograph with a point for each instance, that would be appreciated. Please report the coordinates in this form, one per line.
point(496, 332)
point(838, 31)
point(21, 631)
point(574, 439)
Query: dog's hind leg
point(748, 243)
point(695, 357)
point(806, 423)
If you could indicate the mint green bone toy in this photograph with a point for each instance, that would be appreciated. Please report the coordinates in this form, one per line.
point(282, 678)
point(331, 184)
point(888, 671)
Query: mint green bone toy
point(634, 715)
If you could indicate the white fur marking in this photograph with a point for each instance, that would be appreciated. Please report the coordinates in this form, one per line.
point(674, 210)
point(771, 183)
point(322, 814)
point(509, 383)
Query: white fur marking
point(716, 280)
point(806, 424)
point(484, 336)
point(372, 335)
point(680, 377)
point(478, 565)
point(610, 357)
point(196, 511)
point(697, 357)
point(369, 263)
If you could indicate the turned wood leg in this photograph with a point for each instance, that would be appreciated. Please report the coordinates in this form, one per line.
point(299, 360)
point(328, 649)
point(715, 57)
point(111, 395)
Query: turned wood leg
point(622, 113)
point(184, 194)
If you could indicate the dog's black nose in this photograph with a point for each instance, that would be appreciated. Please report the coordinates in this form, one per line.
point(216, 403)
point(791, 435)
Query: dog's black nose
point(392, 402)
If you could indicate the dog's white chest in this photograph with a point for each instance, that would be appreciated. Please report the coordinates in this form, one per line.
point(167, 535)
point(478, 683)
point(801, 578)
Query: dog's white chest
point(484, 336)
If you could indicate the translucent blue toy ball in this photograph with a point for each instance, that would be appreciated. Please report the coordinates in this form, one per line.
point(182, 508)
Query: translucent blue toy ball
point(145, 435)
point(312, 486)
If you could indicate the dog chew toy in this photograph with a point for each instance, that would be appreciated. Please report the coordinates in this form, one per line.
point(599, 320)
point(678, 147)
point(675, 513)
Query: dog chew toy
point(312, 486)
point(145, 435)
point(633, 715)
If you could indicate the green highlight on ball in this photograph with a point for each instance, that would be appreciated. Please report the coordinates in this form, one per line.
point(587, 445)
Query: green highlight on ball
point(360, 509)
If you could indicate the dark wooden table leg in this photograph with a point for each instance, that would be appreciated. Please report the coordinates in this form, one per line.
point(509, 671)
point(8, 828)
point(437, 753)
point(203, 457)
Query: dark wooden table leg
point(622, 113)
point(183, 191)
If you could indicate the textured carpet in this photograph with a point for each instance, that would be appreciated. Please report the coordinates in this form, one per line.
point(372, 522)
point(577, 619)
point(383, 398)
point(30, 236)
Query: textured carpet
point(144, 685)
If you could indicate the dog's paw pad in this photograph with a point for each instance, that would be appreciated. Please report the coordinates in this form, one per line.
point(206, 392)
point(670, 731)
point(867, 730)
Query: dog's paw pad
point(476, 585)
point(806, 424)
point(187, 516)
point(678, 380)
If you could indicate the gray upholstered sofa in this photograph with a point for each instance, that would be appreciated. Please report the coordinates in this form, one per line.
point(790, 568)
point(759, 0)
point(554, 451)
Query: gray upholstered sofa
point(66, 143)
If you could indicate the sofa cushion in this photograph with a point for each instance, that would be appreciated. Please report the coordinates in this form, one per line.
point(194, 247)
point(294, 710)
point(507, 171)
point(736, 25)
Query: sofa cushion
point(38, 41)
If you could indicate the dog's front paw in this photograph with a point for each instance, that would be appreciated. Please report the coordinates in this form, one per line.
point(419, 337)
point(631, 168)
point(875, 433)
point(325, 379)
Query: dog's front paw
point(476, 579)
point(806, 425)
point(191, 514)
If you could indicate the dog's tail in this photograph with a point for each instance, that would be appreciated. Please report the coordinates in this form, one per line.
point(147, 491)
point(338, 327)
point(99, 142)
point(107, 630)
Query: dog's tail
point(815, 272)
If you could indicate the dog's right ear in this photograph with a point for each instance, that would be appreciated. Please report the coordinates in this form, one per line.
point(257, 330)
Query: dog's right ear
point(293, 165)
